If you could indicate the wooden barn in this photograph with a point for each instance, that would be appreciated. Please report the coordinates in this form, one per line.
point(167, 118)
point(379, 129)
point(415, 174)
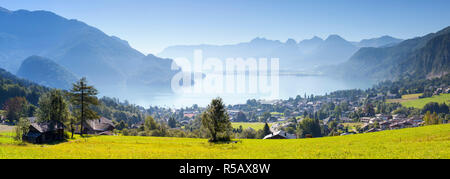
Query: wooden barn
point(102, 126)
point(45, 132)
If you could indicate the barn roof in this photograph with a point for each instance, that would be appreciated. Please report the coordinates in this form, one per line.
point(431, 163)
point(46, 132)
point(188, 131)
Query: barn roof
point(102, 124)
point(47, 126)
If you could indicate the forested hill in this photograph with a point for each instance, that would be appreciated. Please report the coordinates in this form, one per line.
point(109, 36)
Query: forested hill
point(46, 72)
point(12, 86)
point(418, 58)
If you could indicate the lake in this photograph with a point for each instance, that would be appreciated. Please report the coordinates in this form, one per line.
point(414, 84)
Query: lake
point(289, 86)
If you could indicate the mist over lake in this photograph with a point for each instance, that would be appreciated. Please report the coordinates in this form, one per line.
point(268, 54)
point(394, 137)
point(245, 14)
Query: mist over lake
point(289, 86)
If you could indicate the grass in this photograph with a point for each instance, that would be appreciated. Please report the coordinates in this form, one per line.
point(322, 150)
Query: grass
point(413, 100)
point(421, 142)
point(245, 125)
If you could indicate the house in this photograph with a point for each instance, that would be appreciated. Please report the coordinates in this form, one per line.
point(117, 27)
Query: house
point(280, 135)
point(382, 116)
point(365, 119)
point(384, 125)
point(45, 132)
point(327, 120)
point(346, 120)
point(189, 115)
point(102, 126)
point(398, 116)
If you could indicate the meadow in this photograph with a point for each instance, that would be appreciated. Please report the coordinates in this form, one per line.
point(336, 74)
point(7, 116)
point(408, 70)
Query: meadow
point(421, 142)
point(245, 125)
point(412, 100)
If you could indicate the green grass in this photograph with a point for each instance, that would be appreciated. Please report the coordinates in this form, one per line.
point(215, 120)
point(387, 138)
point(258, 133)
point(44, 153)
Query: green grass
point(277, 113)
point(420, 103)
point(412, 100)
point(245, 125)
point(421, 142)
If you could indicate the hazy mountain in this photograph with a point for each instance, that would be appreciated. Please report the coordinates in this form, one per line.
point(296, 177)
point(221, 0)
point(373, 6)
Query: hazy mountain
point(332, 50)
point(379, 42)
point(419, 57)
point(107, 61)
point(46, 72)
point(293, 56)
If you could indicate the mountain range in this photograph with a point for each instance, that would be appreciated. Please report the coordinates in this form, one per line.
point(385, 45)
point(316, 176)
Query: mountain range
point(293, 55)
point(107, 61)
point(420, 57)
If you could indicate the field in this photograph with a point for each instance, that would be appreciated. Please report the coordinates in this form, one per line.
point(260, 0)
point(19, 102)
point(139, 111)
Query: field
point(421, 142)
point(245, 125)
point(413, 100)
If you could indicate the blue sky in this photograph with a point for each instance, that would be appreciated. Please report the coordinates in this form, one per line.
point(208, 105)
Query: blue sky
point(151, 25)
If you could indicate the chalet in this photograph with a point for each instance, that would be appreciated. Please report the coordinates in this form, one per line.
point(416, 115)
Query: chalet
point(280, 135)
point(102, 126)
point(45, 132)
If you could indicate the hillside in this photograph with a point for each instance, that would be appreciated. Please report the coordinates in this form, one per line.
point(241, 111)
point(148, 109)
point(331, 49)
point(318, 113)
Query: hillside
point(46, 72)
point(421, 102)
point(12, 86)
point(420, 57)
point(421, 142)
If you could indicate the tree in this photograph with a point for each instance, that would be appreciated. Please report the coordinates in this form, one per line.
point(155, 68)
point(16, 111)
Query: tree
point(53, 106)
point(22, 127)
point(310, 127)
point(172, 122)
point(15, 108)
point(150, 123)
point(216, 120)
point(83, 97)
point(266, 129)
point(240, 117)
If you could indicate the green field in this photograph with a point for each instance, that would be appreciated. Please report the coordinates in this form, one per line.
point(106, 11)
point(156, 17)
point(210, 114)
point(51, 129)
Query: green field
point(413, 100)
point(421, 142)
point(245, 125)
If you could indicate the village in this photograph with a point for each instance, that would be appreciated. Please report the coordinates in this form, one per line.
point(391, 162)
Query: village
point(343, 112)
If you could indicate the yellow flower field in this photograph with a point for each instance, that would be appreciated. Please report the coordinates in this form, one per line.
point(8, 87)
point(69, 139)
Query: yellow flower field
point(421, 142)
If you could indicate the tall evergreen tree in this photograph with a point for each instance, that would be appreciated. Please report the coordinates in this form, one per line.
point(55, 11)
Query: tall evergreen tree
point(83, 97)
point(216, 120)
point(266, 129)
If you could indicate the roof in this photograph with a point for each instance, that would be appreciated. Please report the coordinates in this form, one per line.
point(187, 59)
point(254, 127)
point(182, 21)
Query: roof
point(280, 133)
point(102, 124)
point(48, 126)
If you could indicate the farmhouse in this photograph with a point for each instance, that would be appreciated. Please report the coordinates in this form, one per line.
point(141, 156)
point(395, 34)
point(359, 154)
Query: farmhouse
point(45, 132)
point(102, 126)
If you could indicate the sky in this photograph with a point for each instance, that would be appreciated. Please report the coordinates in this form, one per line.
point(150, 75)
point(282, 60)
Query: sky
point(152, 25)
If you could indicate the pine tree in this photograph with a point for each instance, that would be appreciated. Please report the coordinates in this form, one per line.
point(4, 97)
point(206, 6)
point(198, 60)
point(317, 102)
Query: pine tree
point(266, 129)
point(216, 120)
point(83, 97)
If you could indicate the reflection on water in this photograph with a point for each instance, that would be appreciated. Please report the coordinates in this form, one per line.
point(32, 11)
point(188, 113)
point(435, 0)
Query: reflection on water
point(289, 86)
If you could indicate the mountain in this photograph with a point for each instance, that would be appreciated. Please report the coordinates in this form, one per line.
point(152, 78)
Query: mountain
point(379, 42)
point(332, 50)
point(46, 72)
point(420, 57)
point(108, 62)
point(293, 56)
